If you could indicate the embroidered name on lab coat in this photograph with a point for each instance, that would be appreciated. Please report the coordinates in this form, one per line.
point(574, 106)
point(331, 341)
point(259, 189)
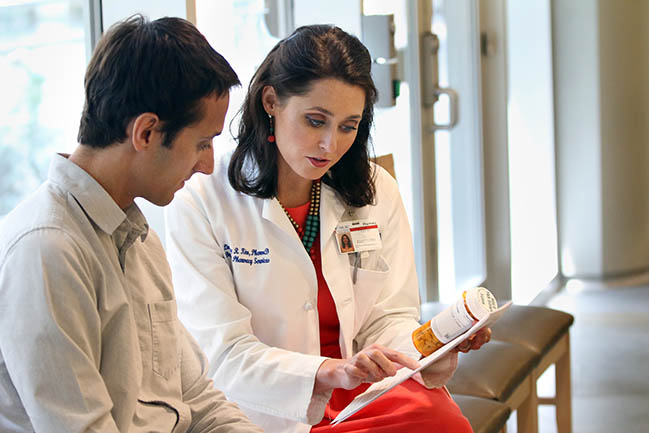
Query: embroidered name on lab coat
point(250, 257)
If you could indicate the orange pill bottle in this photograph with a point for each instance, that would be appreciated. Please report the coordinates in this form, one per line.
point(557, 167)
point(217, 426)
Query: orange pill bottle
point(454, 320)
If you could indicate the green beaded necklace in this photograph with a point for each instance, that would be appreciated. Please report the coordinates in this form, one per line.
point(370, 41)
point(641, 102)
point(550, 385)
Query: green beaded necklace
point(312, 224)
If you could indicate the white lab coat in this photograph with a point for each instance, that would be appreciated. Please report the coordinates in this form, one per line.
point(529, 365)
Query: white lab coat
point(247, 291)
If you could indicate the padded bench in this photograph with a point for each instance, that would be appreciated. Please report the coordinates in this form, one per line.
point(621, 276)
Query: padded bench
point(502, 372)
point(525, 342)
point(545, 332)
point(485, 416)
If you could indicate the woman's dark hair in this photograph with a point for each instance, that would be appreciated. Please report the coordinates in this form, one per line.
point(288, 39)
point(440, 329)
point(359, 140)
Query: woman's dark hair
point(164, 67)
point(345, 240)
point(311, 53)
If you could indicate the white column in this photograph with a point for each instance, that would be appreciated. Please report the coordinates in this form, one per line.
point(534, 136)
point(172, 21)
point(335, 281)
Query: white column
point(601, 64)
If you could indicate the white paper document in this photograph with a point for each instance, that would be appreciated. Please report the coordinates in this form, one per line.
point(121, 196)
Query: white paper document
point(379, 388)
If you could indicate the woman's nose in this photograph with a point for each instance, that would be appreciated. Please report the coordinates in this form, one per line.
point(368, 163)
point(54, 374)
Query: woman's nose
point(329, 142)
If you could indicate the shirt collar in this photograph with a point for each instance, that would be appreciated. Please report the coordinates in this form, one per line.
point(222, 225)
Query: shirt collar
point(93, 198)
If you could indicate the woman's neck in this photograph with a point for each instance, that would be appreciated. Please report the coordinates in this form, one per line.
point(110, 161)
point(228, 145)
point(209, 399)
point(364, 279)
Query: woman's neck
point(292, 189)
point(294, 194)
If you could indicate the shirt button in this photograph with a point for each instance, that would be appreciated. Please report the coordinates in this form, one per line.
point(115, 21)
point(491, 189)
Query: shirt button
point(308, 306)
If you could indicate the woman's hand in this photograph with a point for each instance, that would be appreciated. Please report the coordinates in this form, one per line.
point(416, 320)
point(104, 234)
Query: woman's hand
point(441, 371)
point(475, 341)
point(372, 364)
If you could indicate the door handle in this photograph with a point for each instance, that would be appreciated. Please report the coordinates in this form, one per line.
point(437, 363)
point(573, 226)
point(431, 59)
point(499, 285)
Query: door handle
point(430, 83)
point(452, 106)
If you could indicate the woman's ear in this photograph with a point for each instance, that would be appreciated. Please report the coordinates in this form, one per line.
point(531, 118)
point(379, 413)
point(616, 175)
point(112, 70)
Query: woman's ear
point(269, 99)
point(145, 131)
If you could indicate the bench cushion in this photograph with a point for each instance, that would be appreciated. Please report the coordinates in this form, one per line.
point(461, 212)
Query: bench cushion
point(494, 371)
point(536, 328)
point(485, 416)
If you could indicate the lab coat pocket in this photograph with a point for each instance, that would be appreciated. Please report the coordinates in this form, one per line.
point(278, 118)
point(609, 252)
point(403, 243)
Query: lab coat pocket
point(369, 284)
point(164, 345)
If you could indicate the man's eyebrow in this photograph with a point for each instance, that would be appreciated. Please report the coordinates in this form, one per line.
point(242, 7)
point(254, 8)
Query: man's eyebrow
point(216, 134)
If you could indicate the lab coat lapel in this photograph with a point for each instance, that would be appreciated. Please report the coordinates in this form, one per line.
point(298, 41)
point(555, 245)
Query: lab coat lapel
point(274, 213)
point(335, 266)
point(331, 211)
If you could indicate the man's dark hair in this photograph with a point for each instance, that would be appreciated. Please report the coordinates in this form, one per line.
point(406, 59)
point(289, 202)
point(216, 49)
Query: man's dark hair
point(164, 67)
point(292, 67)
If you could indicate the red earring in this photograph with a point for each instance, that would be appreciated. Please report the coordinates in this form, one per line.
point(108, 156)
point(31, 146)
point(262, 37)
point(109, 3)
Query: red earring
point(271, 132)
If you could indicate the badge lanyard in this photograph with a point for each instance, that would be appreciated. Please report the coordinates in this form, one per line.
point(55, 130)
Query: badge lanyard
point(357, 264)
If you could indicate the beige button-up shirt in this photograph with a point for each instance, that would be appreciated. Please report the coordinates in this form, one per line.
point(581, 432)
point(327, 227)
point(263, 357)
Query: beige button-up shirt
point(89, 337)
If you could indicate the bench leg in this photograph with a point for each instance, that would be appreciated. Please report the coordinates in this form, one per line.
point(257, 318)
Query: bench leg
point(527, 414)
point(563, 392)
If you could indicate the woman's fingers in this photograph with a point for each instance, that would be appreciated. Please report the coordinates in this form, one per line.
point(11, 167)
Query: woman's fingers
point(464, 346)
point(377, 362)
point(480, 338)
point(476, 341)
point(372, 364)
point(400, 358)
point(486, 335)
point(354, 372)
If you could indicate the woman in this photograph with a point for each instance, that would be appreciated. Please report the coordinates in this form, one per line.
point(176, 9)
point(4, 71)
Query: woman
point(284, 317)
point(346, 245)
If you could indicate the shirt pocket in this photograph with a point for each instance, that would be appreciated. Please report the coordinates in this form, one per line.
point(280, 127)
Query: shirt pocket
point(164, 338)
point(369, 285)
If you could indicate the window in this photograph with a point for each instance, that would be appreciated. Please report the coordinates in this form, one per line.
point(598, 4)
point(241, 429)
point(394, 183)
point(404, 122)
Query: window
point(42, 63)
point(243, 39)
point(530, 130)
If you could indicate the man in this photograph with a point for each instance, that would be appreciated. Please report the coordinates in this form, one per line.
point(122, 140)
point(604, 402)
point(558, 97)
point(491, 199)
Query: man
point(89, 338)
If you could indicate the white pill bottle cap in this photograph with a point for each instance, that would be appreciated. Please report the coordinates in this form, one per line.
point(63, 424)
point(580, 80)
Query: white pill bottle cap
point(480, 302)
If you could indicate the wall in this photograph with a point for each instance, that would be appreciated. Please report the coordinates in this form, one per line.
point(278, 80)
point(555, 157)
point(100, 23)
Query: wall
point(600, 67)
point(577, 133)
point(624, 80)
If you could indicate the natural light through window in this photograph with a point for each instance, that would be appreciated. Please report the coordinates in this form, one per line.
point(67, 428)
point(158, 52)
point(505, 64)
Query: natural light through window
point(42, 63)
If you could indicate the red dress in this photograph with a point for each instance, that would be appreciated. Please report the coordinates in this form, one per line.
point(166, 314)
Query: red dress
point(408, 408)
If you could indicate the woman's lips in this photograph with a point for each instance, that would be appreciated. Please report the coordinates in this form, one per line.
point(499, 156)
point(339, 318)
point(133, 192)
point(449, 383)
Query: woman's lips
point(317, 162)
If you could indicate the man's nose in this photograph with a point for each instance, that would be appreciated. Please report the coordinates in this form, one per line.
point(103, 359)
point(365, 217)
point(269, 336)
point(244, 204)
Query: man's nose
point(206, 162)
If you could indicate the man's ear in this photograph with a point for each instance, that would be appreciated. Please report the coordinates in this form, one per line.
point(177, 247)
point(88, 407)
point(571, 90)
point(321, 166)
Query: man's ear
point(145, 131)
point(269, 99)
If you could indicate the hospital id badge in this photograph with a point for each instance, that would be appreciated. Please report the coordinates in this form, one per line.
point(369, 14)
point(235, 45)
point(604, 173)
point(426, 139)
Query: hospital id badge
point(357, 236)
